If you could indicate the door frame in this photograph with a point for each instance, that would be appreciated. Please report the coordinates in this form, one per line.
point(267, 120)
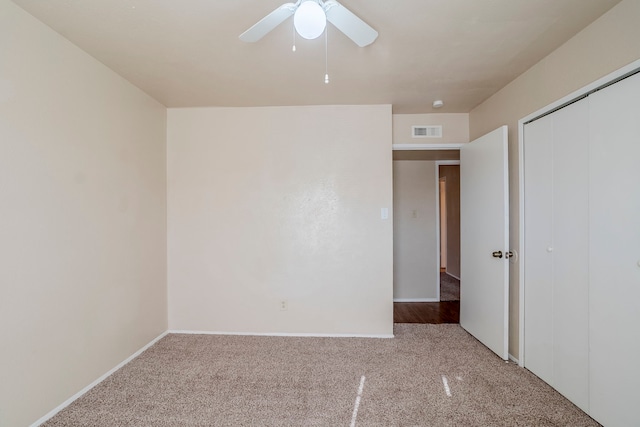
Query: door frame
point(602, 82)
point(438, 243)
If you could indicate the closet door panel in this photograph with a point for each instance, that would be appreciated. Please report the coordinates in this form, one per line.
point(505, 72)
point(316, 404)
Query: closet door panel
point(571, 252)
point(538, 178)
point(615, 254)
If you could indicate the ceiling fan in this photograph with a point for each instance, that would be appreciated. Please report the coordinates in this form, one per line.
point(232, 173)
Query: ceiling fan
point(310, 18)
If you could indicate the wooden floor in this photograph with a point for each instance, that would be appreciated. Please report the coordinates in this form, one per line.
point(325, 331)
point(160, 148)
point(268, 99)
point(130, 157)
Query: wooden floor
point(426, 312)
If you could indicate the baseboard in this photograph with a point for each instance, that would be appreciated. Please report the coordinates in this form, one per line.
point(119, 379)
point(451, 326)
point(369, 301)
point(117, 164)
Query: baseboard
point(416, 300)
point(281, 334)
point(76, 396)
point(513, 359)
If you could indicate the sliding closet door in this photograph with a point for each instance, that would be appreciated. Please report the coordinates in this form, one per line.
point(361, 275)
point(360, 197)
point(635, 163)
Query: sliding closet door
point(538, 266)
point(615, 253)
point(556, 250)
point(571, 252)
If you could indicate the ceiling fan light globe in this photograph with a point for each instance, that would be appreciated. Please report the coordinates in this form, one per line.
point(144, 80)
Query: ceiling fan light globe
point(310, 20)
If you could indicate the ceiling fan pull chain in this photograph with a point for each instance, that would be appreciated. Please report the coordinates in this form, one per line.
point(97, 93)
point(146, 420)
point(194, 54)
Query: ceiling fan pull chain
point(293, 49)
point(326, 55)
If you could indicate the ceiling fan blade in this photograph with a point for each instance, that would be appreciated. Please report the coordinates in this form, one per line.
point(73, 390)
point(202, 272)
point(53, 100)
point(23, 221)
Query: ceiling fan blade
point(352, 26)
point(268, 23)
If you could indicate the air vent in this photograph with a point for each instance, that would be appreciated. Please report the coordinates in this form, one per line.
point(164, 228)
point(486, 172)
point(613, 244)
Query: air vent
point(426, 131)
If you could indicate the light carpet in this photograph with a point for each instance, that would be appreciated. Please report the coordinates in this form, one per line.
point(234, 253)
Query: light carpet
point(208, 380)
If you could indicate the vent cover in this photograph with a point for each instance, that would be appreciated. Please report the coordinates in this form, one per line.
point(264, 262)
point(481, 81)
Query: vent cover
point(426, 131)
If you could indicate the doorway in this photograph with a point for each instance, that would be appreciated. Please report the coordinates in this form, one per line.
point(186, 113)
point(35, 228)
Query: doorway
point(448, 173)
point(443, 224)
point(418, 256)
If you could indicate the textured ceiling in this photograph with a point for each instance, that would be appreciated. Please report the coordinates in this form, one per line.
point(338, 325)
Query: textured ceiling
point(186, 53)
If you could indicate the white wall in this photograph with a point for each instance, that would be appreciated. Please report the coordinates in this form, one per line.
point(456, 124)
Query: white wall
point(82, 202)
point(280, 203)
point(606, 45)
point(455, 128)
point(415, 251)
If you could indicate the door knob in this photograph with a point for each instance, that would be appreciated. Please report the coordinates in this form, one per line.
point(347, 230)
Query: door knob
point(497, 254)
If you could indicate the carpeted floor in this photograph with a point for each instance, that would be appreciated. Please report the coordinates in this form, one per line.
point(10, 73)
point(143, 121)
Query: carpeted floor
point(449, 288)
point(207, 380)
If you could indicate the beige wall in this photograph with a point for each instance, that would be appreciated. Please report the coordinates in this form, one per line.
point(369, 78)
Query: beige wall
point(280, 203)
point(415, 256)
point(455, 128)
point(606, 45)
point(82, 235)
point(452, 175)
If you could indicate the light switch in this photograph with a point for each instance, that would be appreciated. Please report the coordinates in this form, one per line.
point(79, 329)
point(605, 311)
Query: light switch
point(384, 213)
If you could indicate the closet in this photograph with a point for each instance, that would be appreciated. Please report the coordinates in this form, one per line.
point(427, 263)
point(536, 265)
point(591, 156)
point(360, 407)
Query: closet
point(581, 170)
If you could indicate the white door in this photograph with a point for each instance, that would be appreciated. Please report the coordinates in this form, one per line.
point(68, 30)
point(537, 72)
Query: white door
point(484, 240)
point(614, 288)
point(556, 243)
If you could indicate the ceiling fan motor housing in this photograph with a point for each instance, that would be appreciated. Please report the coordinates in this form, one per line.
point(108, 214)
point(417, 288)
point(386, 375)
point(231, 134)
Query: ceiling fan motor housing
point(310, 20)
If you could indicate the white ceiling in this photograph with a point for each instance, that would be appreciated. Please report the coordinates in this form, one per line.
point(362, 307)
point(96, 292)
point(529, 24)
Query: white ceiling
point(186, 53)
